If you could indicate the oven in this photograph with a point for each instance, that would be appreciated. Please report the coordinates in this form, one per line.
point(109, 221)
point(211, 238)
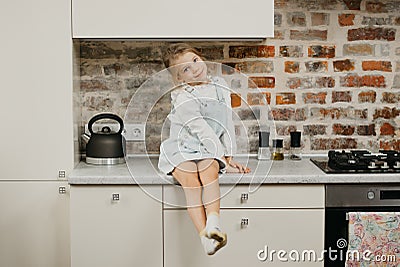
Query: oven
point(344, 198)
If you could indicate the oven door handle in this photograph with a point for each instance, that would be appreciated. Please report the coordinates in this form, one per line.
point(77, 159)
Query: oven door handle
point(386, 194)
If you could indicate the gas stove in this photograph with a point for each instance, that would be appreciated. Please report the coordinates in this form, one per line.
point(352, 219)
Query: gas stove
point(360, 161)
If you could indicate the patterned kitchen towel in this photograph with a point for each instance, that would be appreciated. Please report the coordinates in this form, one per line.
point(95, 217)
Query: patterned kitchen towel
point(374, 239)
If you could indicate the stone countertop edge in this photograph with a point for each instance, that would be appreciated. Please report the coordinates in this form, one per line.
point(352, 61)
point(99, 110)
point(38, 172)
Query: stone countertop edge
point(142, 170)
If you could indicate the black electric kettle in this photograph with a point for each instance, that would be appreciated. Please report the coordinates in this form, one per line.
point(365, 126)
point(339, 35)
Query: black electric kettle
point(105, 146)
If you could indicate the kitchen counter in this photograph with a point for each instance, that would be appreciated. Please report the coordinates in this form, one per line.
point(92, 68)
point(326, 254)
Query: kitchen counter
point(142, 169)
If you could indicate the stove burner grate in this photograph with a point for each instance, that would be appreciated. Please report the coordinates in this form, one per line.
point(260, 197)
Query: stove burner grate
point(362, 161)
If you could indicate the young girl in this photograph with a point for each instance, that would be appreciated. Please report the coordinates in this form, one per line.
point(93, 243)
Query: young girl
point(202, 140)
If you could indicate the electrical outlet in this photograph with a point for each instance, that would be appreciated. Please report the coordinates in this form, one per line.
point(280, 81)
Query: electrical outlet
point(134, 132)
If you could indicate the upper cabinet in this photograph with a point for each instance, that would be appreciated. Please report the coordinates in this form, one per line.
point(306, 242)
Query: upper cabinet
point(172, 19)
point(36, 93)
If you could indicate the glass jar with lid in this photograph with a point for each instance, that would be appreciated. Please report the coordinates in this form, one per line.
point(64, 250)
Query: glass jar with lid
point(277, 149)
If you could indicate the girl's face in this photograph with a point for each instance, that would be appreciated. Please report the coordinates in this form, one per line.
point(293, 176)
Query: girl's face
point(190, 68)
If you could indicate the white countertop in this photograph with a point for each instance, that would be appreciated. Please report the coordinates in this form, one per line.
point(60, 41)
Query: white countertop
point(142, 169)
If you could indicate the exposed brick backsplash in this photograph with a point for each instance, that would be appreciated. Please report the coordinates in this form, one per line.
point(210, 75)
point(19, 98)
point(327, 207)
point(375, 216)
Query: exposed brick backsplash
point(321, 51)
point(343, 65)
point(261, 82)
point(372, 65)
point(358, 50)
point(367, 97)
point(316, 66)
point(346, 19)
point(236, 100)
point(259, 51)
point(332, 71)
point(309, 35)
point(315, 98)
point(257, 99)
point(292, 66)
point(371, 34)
point(285, 98)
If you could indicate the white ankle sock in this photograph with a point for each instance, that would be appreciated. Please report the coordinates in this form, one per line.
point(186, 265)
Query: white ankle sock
point(213, 229)
point(212, 219)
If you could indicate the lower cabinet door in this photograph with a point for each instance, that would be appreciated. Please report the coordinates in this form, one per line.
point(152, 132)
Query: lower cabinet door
point(268, 237)
point(34, 224)
point(116, 226)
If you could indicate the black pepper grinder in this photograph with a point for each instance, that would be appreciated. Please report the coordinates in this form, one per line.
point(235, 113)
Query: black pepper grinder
point(295, 146)
point(263, 145)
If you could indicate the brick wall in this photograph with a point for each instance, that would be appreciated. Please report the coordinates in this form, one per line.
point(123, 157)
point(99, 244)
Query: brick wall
point(332, 72)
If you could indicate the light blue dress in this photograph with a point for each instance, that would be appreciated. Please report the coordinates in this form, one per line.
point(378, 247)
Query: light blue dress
point(201, 126)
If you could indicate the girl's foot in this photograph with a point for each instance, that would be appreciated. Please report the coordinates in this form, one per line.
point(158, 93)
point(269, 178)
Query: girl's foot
point(211, 245)
point(217, 234)
point(212, 229)
point(221, 244)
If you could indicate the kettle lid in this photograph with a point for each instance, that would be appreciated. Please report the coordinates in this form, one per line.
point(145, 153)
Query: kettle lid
point(105, 130)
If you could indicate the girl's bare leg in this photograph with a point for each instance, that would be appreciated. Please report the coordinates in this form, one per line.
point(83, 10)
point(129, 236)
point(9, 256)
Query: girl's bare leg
point(187, 175)
point(208, 171)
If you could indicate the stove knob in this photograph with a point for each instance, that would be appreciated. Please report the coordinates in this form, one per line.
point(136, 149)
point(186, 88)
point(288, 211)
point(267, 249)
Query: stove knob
point(370, 195)
point(372, 165)
point(385, 165)
point(397, 165)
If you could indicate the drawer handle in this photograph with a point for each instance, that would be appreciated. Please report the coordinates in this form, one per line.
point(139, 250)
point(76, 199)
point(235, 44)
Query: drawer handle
point(61, 174)
point(244, 197)
point(244, 222)
point(62, 190)
point(115, 197)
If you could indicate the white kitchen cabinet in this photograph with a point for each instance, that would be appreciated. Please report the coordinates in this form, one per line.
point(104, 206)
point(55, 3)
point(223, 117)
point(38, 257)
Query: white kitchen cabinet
point(116, 226)
point(293, 222)
point(172, 19)
point(34, 224)
point(266, 196)
point(36, 89)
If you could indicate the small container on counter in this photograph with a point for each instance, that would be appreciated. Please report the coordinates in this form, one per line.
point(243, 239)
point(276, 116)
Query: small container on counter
point(263, 145)
point(277, 149)
point(295, 146)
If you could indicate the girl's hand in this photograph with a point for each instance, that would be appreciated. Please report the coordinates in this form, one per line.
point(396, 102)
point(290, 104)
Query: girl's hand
point(235, 167)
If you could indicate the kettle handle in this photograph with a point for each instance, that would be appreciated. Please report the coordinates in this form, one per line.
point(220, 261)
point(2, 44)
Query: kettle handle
point(106, 116)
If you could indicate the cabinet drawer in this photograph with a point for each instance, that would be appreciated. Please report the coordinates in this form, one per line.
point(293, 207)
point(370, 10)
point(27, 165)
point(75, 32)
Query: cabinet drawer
point(249, 231)
point(266, 196)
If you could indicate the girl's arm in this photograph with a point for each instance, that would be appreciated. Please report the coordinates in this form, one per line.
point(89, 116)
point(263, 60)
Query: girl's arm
point(229, 138)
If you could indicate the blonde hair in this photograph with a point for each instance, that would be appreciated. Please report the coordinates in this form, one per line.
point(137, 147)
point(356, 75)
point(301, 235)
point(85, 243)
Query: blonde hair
point(173, 51)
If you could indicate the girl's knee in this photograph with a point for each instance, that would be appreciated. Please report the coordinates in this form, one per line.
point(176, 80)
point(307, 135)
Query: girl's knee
point(189, 167)
point(209, 165)
point(187, 179)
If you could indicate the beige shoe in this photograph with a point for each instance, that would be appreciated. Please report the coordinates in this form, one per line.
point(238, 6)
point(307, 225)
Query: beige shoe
point(217, 234)
point(221, 244)
point(211, 246)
